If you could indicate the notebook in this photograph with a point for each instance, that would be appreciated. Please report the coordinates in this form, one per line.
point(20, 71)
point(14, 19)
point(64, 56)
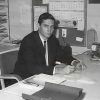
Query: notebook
point(53, 91)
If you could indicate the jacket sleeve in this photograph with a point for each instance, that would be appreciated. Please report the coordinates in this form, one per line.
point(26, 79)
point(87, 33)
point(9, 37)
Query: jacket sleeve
point(26, 64)
point(64, 54)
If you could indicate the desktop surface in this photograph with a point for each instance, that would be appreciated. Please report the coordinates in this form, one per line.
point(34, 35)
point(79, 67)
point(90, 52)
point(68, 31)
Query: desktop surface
point(88, 80)
point(5, 47)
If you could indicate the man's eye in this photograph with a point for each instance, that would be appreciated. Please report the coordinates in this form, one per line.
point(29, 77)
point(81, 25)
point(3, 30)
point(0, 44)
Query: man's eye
point(52, 27)
point(45, 25)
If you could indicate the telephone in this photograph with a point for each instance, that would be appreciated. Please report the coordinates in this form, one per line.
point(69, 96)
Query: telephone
point(95, 50)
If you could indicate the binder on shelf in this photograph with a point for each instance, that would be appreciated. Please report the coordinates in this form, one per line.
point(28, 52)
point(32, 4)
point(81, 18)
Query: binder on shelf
point(53, 91)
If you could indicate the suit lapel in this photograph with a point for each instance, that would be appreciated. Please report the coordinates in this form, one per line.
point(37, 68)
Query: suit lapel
point(39, 42)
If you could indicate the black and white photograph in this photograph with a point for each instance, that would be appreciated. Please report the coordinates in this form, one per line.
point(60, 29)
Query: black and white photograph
point(49, 50)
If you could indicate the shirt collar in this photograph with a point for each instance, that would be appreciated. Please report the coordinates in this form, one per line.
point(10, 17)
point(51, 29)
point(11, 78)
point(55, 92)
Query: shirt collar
point(42, 39)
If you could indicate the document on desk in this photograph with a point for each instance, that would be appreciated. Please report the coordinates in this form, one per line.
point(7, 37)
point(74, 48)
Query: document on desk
point(42, 78)
point(53, 91)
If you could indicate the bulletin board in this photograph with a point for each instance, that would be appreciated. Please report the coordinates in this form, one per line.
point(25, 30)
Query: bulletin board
point(37, 11)
point(71, 36)
point(68, 12)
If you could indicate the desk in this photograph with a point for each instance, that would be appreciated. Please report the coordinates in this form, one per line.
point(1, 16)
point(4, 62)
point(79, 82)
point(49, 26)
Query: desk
point(15, 91)
point(91, 89)
point(92, 74)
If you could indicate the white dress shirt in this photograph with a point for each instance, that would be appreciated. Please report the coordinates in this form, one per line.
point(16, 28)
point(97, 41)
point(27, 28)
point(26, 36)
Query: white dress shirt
point(46, 48)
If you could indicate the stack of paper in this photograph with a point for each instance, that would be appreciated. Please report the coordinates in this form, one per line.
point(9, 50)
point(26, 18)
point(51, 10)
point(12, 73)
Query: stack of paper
point(42, 78)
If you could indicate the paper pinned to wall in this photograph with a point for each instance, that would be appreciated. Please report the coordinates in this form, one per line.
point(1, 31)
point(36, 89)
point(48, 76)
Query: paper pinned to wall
point(24, 11)
point(20, 12)
point(68, 10)
point(45, 1)
point(79, 39)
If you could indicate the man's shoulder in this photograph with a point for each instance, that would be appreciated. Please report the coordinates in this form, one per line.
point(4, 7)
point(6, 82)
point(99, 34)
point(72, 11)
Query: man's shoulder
point(30, 38)
point(30, 35)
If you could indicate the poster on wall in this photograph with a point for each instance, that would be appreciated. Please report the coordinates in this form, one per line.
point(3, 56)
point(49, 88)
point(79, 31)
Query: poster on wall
point(94, 1)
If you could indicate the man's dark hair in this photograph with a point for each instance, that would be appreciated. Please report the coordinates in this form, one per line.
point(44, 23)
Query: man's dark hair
point(45, 16)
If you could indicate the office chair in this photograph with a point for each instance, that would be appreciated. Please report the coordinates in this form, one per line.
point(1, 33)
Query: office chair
point(7, 63)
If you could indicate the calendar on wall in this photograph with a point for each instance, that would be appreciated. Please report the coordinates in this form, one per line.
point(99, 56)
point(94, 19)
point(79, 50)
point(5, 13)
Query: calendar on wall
point(70, 13)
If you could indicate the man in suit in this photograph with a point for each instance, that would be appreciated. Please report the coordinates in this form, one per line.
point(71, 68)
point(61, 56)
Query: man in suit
point(33, 58)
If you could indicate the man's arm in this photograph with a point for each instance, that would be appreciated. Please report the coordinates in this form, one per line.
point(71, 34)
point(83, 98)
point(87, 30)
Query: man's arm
point(64, 54)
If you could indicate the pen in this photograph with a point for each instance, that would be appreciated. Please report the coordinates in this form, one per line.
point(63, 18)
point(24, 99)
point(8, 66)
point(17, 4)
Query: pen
point(31, 83)
point(62, 81)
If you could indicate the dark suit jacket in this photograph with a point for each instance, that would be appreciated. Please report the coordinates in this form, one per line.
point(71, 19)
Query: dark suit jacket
point(31, 57)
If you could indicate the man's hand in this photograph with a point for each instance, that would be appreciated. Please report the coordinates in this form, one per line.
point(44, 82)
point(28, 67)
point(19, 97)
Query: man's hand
point(68, 69)
point(76, 66)
point(64, 69)
point(79, 65)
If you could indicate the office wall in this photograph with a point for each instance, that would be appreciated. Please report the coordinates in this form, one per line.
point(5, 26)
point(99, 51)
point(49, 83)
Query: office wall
point(20, 18)
point(93, 18)
point(21, 22)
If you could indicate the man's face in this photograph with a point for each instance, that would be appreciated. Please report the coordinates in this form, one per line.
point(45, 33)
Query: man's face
point(46, 28)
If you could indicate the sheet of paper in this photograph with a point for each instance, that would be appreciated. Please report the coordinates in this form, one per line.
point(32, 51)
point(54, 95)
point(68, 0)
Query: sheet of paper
point(42, 78)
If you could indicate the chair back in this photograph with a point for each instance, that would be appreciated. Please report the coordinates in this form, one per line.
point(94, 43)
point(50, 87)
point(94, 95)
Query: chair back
point(7, 64)
point(8, 60)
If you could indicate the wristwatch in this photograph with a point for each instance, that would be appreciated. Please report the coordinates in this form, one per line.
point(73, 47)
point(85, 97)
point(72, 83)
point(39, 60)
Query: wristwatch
point(75, 62)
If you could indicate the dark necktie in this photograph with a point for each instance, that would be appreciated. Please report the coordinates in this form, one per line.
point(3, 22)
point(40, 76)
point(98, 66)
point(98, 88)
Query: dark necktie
point(45, 46)
point(46, 52)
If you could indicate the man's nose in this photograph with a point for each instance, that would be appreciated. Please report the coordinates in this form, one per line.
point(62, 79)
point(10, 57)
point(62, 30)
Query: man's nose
point(49, 29)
